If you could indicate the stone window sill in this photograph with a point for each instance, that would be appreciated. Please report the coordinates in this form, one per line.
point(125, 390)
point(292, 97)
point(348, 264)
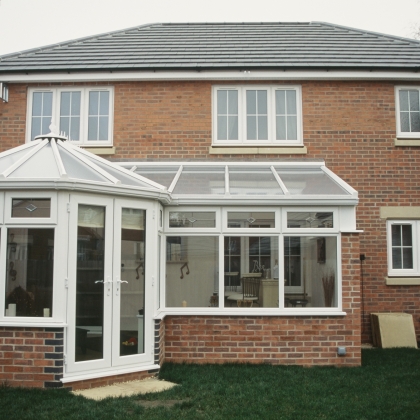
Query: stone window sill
point(226, 150)
point(402, 281)
point(101, 150)
point(407, 142)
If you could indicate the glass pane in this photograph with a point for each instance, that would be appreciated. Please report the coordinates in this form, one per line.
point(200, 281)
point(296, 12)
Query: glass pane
point(262, 128)
point(280, 102)
point(104, 103)
point(28, 207)
point(163, 175)
point(251, 102)
point(310, 181)
point(29, 272)
point(89, 283)
point(132, 271)
point(251, 219)
point(415, 122)
point(291, 128)
point(414, 100)
point(222, 102)
point(251, 271)
point(406, 235)
point(404, 100)
point(396, 258)
point(75, 129)
point(47, 104)
point(65, 125)
point(201, 180)
point(233, 102)
point(93, 103)
point(251, 127)
point(103, 128)
point(291, 101)
point(196, 219)
point(45, 127)
point(260, 181)
point(405, 121)
point(193, 282)
point(310, 220)
point(65, 103)
point(37, 104)
point(36, 127)
point(262, 102)
point(233, 128)
point(396, 235)
point(222, 128)
point(280, 128)
point(93, 128)
point(311, 272)
point(407, 258)
point(75, 103)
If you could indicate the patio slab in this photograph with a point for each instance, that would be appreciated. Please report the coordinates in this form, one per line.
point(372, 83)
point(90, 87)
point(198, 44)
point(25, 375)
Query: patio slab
point(125, 389)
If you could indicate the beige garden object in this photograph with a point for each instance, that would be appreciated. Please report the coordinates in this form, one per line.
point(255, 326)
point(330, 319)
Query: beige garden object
point(393, 330)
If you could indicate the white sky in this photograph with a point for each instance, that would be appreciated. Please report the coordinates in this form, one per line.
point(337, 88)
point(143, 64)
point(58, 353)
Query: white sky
point(28, 24)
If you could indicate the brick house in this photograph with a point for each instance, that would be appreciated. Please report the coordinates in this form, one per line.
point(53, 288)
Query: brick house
point(218, 192)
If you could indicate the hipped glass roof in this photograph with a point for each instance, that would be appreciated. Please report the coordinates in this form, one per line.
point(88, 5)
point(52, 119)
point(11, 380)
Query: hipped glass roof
point(188, 181)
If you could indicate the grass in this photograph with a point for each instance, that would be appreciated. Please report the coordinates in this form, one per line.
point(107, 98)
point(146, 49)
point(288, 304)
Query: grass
point(387, 386)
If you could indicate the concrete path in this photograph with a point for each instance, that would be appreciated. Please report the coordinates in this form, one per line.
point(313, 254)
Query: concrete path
point(125, 389)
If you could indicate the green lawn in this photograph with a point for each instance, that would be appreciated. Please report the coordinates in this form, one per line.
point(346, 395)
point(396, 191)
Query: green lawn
point(386, 387)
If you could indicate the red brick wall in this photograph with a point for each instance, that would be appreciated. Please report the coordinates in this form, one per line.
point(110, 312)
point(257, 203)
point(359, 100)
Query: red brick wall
point(31, 357)
point(302, 340)
point(351, 125)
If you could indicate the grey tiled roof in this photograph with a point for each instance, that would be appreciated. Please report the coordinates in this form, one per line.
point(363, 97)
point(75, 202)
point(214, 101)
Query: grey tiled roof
point(222, 46)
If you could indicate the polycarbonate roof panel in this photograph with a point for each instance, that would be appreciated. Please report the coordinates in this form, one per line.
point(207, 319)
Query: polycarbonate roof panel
point(309, 182)
point(258, 181)
point(163, 175)
point(202, 180)
point(79, 170)
point(9, 159)
point(36, 166)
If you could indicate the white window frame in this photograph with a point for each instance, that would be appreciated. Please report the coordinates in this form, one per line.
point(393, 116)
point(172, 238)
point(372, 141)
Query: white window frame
point(84, 112)
point(415, 229)
point(404, 134)
point(10, 196)
point(271, 115)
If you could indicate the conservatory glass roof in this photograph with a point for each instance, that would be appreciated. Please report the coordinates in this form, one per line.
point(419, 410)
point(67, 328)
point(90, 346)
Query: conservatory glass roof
point(192, 182)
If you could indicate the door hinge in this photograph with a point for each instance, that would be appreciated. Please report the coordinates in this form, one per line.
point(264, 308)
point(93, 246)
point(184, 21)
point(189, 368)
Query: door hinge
point(154, 214)
point(68, 207)
point(66, 282)
point(153, 282)
point(65, 359)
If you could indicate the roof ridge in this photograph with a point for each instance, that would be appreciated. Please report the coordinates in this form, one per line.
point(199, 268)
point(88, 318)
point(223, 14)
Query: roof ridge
point(350, 28)
point(73, 41)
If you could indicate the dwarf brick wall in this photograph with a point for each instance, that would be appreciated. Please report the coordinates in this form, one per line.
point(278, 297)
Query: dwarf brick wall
point(302, 340)
point(31, 357)
point(349, 124)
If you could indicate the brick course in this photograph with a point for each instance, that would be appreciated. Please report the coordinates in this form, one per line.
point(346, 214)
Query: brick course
point(31, 357)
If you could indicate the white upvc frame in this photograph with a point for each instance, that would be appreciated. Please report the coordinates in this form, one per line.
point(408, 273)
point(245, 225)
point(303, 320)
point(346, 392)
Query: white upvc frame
point(314, 231)
point(404, 134)
point(84, 112)
point(415, 229)
point(271, 116)
point(1, 207)
point(10, 196)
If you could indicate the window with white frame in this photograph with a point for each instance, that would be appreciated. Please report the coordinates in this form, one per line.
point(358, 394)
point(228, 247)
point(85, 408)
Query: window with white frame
point(257, 115)
point(403, 249)
point(408, 112)
point(85, 114)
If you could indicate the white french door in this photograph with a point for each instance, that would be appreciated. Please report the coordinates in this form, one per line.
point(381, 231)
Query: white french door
point(110, 284)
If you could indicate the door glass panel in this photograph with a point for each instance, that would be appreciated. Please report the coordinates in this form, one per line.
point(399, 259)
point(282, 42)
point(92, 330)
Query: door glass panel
point(90, 283)
point(132, 281)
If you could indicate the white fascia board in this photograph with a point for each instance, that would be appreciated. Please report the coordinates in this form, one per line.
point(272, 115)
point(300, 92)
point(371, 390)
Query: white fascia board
point(192, 75)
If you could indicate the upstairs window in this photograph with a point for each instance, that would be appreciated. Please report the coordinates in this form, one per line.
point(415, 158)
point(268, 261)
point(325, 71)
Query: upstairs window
point(257, 116)
point(408, 112)
point(84, 115)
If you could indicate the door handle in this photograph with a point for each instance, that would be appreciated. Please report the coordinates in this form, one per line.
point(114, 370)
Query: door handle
point(118, 282)
point(107, 281)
